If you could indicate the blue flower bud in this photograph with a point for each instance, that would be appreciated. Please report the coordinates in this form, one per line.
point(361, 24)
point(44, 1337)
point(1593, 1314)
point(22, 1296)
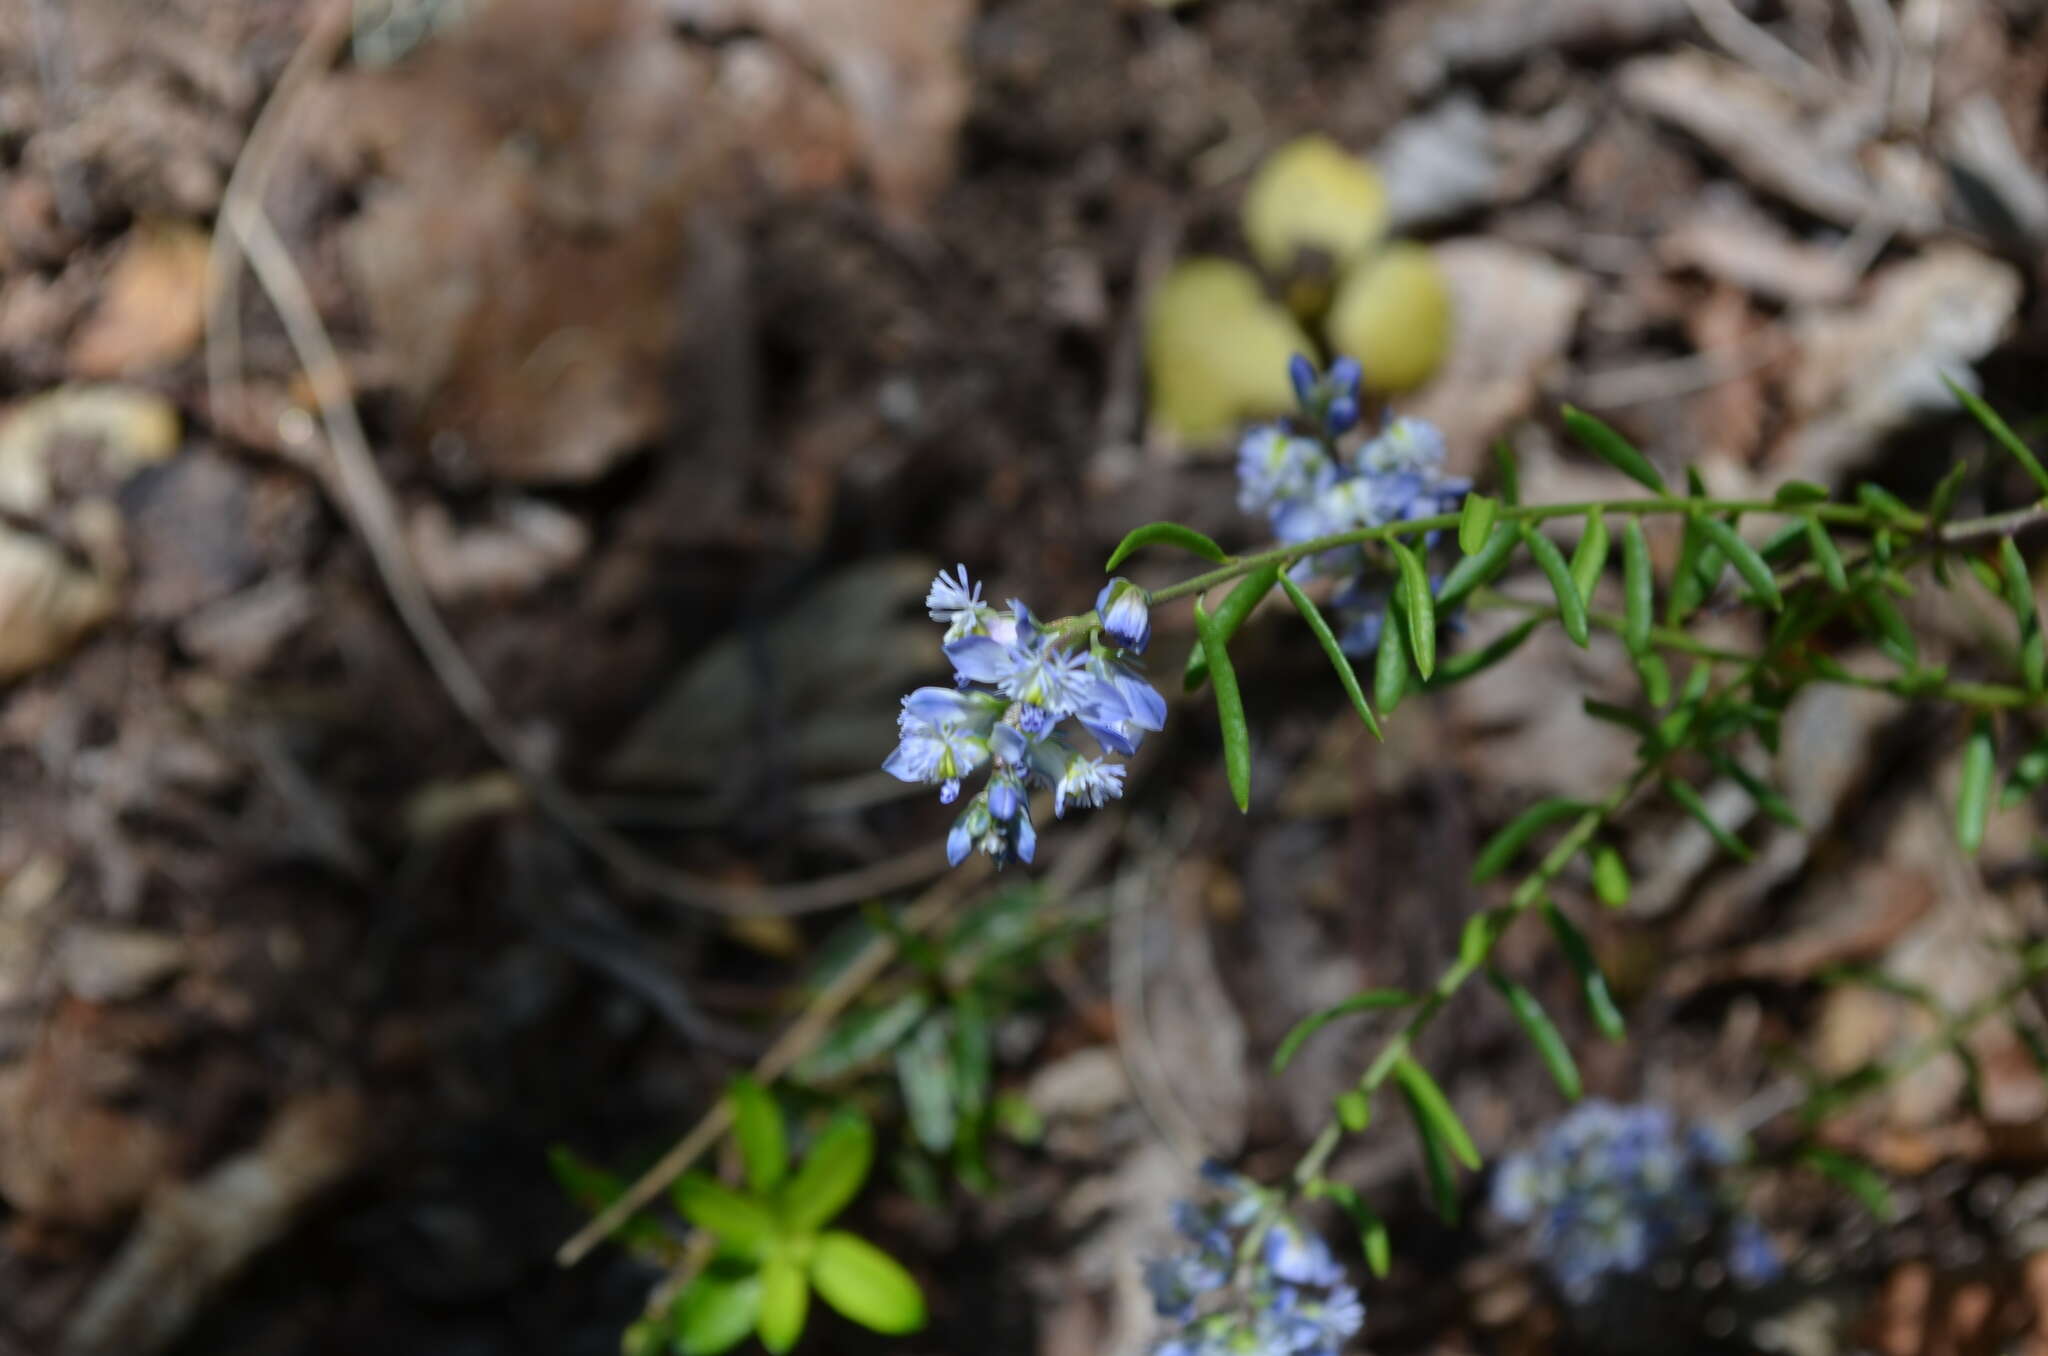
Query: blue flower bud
point(1344, 378)
point(1126, 615)
point(1341, 415)
point(1302, 373)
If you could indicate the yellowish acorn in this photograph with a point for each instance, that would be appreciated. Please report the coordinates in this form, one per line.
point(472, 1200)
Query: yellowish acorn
point(1217, 348)
point(1392, 312)
point(1313, 203)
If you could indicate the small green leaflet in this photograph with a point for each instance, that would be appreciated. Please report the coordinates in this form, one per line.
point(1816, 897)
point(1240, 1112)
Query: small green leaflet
point(1794, 493)
point(758, 1129)
point(1637, 589)
point(1973, 795)
point(1443, 1136)
point(716, 1312)
point(1372, 1231)
point(1390, 664)
point(1683, 792)
point(1236, 606)
point(1610, 877)
point(1475, 522)
point(1578, 953)
point(831, 1174)
point(1354, 1110)
point(1338, 659)
point(1371, 1000)
point(1419, 607)
point(1590, 556)
point(1510, 469)
point(1480, 567)
point(1237, 739)
point(1601, 440)
point(866, 1284)
point(1542, 1033)
point(1747, 562)
point(1571, 607)
point(741, 1223)
point(1166, 534)
point(1854, 1175)
point(1502, 847)
point(1464, 665)
point(1822, 548)
point(1893, 635)
point(924, 1071)
point(785, 1303)
point(1999, 430)
point(2019, 596)
point(1766, 797)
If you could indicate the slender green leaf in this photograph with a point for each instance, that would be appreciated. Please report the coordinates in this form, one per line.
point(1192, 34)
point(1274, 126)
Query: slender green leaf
point(1635, 722)
point(1354, 1110)
point(1822, 548)
point(1466, 663)
point(1894, 637)
point(1542, 1033)
point(1166, 534)
point(973, 1052)
point(1371, 1000)
point(831, 1174)
point(1747, 562)
point(1419, 608)
point(1481, 567)
point(1237, 738)
point(1515, 835)
point(715, 1313)
point(866, 1284)
point(1571, 606)
point(924, 1071)
point(1855, 1176)
point(1973, 796)
point(1390, 665)
point(1656, 679)
point(785, 1303)
point(1943, 499)
point(1686, 590)
point(592, 1188)
point(1578, 953)
point(1884, 503)
point(741, 1223)
point(1682, 791)
point(1778, 546)
point(1601, 440)
point(1481, 931)
point(1237, 604)
point(1637, 590)
point(1510, 470)
point(1434, 1113)
point(1475, 522)
point(1372, 1230)
point(2019, 596)
point(1331, 650)
point(1610, 877)
point(2027, 776)
point(2000, 431)
point(1766, 796)
point(865, 1036)
point(757, 1126)
point(1796, 492)
point(1589, 558)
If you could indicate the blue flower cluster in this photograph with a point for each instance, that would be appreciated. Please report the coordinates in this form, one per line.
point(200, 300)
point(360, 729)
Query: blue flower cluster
point(1016, 682)
point(1249, 1281)
point(1611, 1189)
point(1326, 480)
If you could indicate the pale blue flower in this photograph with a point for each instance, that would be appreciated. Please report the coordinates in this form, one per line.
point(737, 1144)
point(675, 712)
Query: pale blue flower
point(1275, 467)
point(957, 602)
point(1126, 615)
point(1405, 444)
point(1087, 782)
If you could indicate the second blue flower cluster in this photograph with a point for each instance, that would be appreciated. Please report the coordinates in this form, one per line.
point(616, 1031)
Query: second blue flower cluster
point(1610, 1190)
point(1317, 477)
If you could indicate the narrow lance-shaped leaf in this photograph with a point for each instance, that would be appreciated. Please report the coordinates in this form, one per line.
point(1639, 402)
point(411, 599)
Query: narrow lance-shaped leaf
point(1475, 521)
point(1479, 568)
point(1683, 792)
point(1885, 504)
point(1854, 1175)
point(1821, 547)
point(1578, 953)
point(2019, 596)
point(1794, 493)
point(1390, 664)
point(1610, 876)
point(1334, 652)
point(1766, 796)
point(1999, 430)
point(1230, 615)
point(1893, 635)
point(758, 1128)
point(1637, 587)
point(1571, 607)
point(1973, 795)
point(1510, 468)
point(1469, 662)
point(2027, 775)
point(740, 1222)
point(1542, 1033)
point(1943, 500)
point(1589, 558)
point(1371, 1000)
point(866, 1284)
point(1686, 590)
point(1418, 607)
point(924, 1071)
point(1372, 1230)
point(1237, 739)
point(1434, 1112)
point(831, 1174)
point(1515, 835)
point(785, 1303)
point(1743, 556)
point(1656, 678)
point(1166, 534)
point(1601, 440)
point(1354, 1110)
